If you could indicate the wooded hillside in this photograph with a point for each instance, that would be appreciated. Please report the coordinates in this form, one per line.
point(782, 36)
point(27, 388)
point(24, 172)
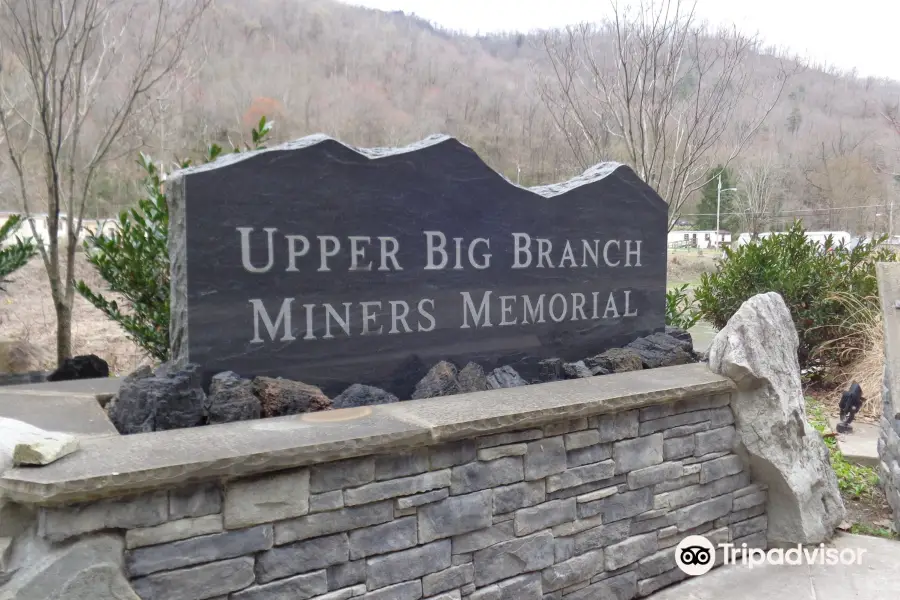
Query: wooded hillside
point(374, 78)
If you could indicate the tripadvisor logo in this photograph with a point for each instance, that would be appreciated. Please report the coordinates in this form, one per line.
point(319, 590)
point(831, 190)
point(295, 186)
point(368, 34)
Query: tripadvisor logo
point(696, 555)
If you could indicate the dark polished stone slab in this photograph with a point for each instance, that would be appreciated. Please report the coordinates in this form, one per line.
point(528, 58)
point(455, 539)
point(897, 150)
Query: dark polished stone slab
point(369, 299)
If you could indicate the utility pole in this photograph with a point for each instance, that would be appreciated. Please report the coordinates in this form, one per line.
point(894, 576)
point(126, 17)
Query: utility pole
point(891, 222)
point(719, 191)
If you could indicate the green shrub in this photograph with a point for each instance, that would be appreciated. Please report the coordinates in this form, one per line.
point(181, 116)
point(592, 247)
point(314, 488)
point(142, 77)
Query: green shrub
point(15, 256)
point(810, 277)
point(681, 308)
point(134, 259)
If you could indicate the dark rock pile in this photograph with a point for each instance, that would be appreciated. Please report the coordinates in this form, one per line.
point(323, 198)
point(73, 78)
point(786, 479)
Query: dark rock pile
point(168, 398)
point(86, 366)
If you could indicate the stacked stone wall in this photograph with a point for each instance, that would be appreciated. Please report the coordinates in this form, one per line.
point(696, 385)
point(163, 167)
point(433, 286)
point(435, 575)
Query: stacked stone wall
point(583, 509)
point(889, 449)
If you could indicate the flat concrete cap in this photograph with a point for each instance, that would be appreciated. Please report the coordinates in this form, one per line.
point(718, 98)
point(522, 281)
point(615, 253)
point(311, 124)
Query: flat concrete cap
point(115, 466)
point(60, 407)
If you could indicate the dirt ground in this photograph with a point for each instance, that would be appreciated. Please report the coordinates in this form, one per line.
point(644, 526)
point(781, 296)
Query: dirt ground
point(27, 314)
point(686, 266)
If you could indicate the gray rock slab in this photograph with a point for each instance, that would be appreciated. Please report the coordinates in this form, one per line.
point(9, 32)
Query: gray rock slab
point(198, 550)
point(392, 536)
point(545, 457)
point(347, 574)
point(619, 587)
point(448, 579)
point(146, 510)
point(408, 502)
point(403, 464)
point(173, 531)
point(514, 557)
point(341, 474)
point(392, 488)
point(409, 564)
point(335, 521)
point(205, 581)
point(302, 557)
point(631, 550)
point(300, 587)
point(509, 498)
point(273, 497)
point(476, 540)
point(572, 571)
point(720, 467)
point(327, 501)
point(591, 454)
point(618, 506)
point(452, 454)
point(195, 501)
point(630, 455)
point(455, 515)
point(409, 590)
point(483, 475)
point(702, 512)
point(577, 476)
point(544, 516)
point(714, 440)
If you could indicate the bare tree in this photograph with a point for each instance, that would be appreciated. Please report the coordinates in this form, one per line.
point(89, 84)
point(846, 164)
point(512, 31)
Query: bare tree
point(92, 69)
point(654, 87)
point(759, 196)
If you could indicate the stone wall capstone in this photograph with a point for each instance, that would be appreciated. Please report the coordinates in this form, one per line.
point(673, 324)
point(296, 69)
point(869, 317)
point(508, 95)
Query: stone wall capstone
point(581, 509)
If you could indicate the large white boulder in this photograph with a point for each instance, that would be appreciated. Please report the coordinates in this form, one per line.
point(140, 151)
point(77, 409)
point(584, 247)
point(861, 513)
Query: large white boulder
point(757, 349)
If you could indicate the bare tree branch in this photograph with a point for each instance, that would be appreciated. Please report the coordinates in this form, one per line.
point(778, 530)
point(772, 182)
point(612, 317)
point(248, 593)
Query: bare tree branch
point(660, 92)
point(85, 91)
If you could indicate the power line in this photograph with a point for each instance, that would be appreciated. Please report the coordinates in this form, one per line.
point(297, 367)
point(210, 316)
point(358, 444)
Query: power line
point(795, 211)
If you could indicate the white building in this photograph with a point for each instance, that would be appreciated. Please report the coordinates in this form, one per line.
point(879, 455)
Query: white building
point(698, 239)
point(42, 229)
point(838, 237)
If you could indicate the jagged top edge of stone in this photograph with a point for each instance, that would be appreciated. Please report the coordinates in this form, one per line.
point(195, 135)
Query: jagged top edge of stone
point(595, 173)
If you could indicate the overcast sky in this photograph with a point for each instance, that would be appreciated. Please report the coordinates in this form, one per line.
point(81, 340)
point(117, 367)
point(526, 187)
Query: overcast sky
point(864, 34)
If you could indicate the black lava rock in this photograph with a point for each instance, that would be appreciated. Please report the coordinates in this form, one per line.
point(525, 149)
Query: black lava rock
point(85, 366)
point(231, 399)
point(362, 395)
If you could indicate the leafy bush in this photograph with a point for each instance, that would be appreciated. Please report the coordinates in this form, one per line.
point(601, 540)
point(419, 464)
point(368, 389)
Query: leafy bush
point(134, 259)
point(681, 308)
point(14, 256)
point(812, 279)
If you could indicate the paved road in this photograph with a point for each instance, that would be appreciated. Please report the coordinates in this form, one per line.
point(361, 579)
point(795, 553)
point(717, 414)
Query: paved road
point(876, 578)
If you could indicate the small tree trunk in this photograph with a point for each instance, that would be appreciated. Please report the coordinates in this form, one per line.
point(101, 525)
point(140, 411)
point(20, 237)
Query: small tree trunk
point(63, 331)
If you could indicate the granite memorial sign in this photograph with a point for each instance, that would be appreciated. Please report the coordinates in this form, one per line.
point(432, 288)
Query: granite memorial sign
point(333, 265)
